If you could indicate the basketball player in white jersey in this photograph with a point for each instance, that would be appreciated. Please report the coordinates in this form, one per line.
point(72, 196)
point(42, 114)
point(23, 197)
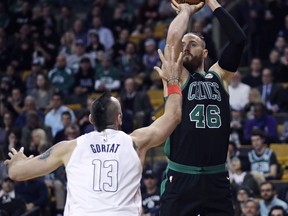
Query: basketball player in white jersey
point(104, 167)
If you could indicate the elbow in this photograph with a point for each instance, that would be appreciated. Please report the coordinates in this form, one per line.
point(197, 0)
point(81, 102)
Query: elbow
point(14, 175)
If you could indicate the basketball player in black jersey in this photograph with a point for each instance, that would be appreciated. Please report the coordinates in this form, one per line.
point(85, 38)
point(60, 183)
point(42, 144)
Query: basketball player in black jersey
point(197, 181)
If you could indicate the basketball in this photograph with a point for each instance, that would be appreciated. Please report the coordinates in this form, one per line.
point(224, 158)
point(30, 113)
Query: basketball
point(191, 2)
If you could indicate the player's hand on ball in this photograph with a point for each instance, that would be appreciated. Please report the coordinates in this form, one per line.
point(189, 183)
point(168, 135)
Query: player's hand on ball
point(192, 5)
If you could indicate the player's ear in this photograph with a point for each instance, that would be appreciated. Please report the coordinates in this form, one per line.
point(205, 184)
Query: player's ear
point(205, 53)
point(119, 119)
point(90, 119)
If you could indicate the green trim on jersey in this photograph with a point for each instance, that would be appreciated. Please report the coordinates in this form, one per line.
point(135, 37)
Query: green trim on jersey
point(163, 183)
point(221, 81)
point(167, 147)
point(197, 170)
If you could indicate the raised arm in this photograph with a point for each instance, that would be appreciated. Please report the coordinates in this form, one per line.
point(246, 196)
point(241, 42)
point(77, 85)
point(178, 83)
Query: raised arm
point(21, 168)
point(159, 130)
point(177, 29)
point(232, 53)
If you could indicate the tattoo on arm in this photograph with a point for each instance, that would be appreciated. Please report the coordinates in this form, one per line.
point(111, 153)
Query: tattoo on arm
point(46, 154)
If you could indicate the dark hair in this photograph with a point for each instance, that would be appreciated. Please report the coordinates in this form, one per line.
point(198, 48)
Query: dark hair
point(258, 132)
point(58, 94)
point(66, 113)
point(103, 111)
point(268, 182)
point(277, 208)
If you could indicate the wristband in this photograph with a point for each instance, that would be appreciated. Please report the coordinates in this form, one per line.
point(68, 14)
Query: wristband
point(174, 89)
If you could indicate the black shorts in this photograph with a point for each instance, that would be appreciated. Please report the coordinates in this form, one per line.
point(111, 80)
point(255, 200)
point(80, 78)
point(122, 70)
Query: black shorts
point(194, 194)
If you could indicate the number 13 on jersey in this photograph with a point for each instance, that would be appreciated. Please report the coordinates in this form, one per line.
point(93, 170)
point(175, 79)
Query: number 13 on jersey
point(105, 175)
point(206, 117)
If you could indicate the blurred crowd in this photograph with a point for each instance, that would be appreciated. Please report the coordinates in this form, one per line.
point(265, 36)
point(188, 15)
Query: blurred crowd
point(56, 57)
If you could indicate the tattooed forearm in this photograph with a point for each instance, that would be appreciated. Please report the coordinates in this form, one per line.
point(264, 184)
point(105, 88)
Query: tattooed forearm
point(46, 154)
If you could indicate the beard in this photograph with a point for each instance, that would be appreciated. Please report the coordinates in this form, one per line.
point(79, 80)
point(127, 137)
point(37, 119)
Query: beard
point(192, 63)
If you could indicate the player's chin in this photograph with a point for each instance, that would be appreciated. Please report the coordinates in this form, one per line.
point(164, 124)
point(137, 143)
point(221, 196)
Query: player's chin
point(187, 58)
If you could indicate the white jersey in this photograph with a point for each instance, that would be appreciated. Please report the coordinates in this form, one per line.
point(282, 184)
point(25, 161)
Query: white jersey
point(104, 174)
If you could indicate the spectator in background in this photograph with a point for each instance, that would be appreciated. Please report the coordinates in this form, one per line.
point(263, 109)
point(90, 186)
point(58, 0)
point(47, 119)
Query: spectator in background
point(280, 44)
point(84, 79)
point(242, 196)
point(236, 126)
point(20, 18)
point(150, 58)
point(6, 126)
point(12, 140)
point(239, 92)
point(15, 102)
point(48, 17)
point(34, 192)
point(284, 135)
point(107, 76)
point(263, 121)
point(283, 71)
point(253, 79)
point(105, 34)
point(67, 44)
point(22, 56)
point(38, 141)
point(129, 62)
point(73, 61)
point(15, 77)
point(251, 208)
point(29, 106)
point(72, 132)
point(66, 119)
point(95, 48)
point(53, 117)
point(66, 19)
point(31, 80)
point(79, 31)
point(148, 13)
point(254, 98)
point(10, 203)
point(137, 103)
point(120, 45)
point(3, 167)
point(262, 159)
point(277, 211)
point(61, 77)
point(33, 121)
point(273, 63)
point(269, 196)
point(43, 92)
point(151, 198)
point(270, 92)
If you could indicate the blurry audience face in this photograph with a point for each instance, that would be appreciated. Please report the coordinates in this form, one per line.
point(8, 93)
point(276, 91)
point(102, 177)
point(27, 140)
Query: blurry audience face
point(65, 12)
point(80, 49)
point(56, 101)
point(25, 7)
point(267, 192)
point(277, 212)
point(236, 164)
point(274, 56)
point(7, 186)
point(66, 120)
point(254, 96)
point(286, 53)
point(280, 42)
point(40, 80)
point(124, 35)
point(7, 119)
point(267, 76)
point(242, 196)
point(129, 85)
point(16, 95)
point(61, 62)
point(68, 38)
point(130, 49)
point(10, 71)
point(259, 111)
point(85, 66)
point(96, 22)
point(29, 104)
point(256, 65)
point(78, 26)
point(150, 182)
point(71, 132)
point(257, 142)
point(251, 208)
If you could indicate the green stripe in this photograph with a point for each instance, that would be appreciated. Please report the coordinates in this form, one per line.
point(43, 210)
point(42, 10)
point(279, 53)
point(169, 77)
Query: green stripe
point(163, 183)
point(167, 147)
point(197, 170)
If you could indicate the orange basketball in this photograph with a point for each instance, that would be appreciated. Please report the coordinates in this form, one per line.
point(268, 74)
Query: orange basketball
point(191, 2)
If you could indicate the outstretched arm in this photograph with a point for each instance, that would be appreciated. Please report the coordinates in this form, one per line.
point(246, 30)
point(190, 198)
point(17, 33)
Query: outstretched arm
point(177, 29)
point(21, 168)
point(231, 55)
point(158, 131)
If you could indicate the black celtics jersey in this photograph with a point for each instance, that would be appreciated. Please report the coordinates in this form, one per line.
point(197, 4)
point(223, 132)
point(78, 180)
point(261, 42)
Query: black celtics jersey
point(201, 139)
